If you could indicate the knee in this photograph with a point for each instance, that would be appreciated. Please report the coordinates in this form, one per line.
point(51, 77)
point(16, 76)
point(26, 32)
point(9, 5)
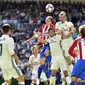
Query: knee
point(73, 78)
point(65, 73)
point(78, 80)
point(54, 72)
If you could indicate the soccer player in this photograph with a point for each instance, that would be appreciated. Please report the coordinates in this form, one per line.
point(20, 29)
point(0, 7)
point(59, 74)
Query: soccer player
point(45, 50)
point(7, 57)
point(58, 60)
point(34, 62)
point(65, 27)
point(78, 73)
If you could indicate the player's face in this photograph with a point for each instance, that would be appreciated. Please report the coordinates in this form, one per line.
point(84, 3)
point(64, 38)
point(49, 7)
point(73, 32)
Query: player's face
point(51, 33)
point(35, 49)
point(48, 22)
point(62, 18)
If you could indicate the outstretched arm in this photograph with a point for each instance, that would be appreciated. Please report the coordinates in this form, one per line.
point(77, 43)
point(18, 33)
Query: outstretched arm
point(33, 37)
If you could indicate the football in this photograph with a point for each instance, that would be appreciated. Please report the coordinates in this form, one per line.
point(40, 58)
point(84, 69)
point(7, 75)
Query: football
point(49, 8)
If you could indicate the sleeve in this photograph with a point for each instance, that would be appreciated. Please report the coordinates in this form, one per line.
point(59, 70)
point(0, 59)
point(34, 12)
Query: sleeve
point(11, 46)
point(57, 26)
point(71, 49)
point(40, 29)
point(70, 25)
point(30, 60)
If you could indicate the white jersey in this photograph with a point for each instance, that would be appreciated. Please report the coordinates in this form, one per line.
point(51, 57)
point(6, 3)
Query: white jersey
point(65, 27)
point(54, 43)
point(6, 51)
point(35, 61)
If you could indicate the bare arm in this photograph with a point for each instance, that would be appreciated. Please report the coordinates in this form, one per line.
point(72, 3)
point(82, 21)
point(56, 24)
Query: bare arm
point(16, 58)
point(67, 36)
point(33, 37)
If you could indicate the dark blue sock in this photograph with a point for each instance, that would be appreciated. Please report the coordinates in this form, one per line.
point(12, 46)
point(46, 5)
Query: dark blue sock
point(72, 83)
point(58, 77)
point(46, 70)
point(78, 83)
point(39, 71)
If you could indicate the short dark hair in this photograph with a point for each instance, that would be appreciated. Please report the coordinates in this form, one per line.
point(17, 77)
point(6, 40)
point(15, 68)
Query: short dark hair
point(82, 31)
point(51, 29)
point(6, 28)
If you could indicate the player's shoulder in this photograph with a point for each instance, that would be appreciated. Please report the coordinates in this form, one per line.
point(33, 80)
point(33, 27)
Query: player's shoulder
point(43, 25)
point(10, 38)
point(78, 38)
point(57, 23)
point(32, 56)
point(69, 23)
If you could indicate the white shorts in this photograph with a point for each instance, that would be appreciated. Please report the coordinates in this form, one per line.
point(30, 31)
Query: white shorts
point(14, 72)
point(35, 75)
point(59, 62)
point(11, 72)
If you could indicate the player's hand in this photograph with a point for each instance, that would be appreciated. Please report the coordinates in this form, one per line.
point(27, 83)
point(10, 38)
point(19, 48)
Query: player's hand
point(61, 32)
point(27, 41)
point(26, 65)
point(20, 62)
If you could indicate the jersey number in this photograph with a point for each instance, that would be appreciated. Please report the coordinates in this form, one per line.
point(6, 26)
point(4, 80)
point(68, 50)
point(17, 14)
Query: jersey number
point(0, 49)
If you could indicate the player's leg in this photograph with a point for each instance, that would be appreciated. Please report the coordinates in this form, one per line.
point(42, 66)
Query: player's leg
point(66, 54)
point(44, 78)
point(34, 77)
point(42, 61)
point(54, 68)
point(58, 77)
point(63, 66)
point(77, 71)
point(81, 77)
point(43, 55)
point(73, 80)
point(7, 77)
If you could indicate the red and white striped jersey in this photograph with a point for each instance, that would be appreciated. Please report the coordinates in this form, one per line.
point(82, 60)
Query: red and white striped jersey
point(44, 29)
point(80, 44)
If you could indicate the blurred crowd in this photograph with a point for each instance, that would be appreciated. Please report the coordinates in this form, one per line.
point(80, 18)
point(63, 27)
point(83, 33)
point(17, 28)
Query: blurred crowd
point(26, 17)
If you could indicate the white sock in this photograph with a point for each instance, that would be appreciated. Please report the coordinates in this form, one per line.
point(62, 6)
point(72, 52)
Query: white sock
point(21, 83)
point(5, 83)
point(63, 82)
point(37, 81)
point(68, 79)
point(53, 80)
point(32, 83)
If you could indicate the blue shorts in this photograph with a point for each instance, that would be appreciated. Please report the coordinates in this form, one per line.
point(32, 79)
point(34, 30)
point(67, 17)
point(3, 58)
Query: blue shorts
point(48, 60)
point(44, 48)
point(82, 75)
point(79, 69)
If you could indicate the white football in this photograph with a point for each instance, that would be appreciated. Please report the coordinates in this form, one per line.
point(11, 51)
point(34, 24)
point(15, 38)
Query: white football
point(49, 8)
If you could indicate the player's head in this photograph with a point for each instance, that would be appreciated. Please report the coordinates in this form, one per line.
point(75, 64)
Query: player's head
point(7, 29)
point(49, 20)
point(51, 32)
point(35, 49)
point(62, 16)
point(82, 30)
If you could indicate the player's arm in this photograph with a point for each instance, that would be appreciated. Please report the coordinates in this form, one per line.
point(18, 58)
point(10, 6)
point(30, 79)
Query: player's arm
point(66, 36)
point(41, 40)
point(16, 58)
point(71, 49)
point(11, 50)
point(34, 36)
point(27, 65)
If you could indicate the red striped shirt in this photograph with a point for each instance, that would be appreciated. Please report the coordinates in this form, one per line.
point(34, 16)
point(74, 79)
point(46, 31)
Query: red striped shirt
point(80, 43)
